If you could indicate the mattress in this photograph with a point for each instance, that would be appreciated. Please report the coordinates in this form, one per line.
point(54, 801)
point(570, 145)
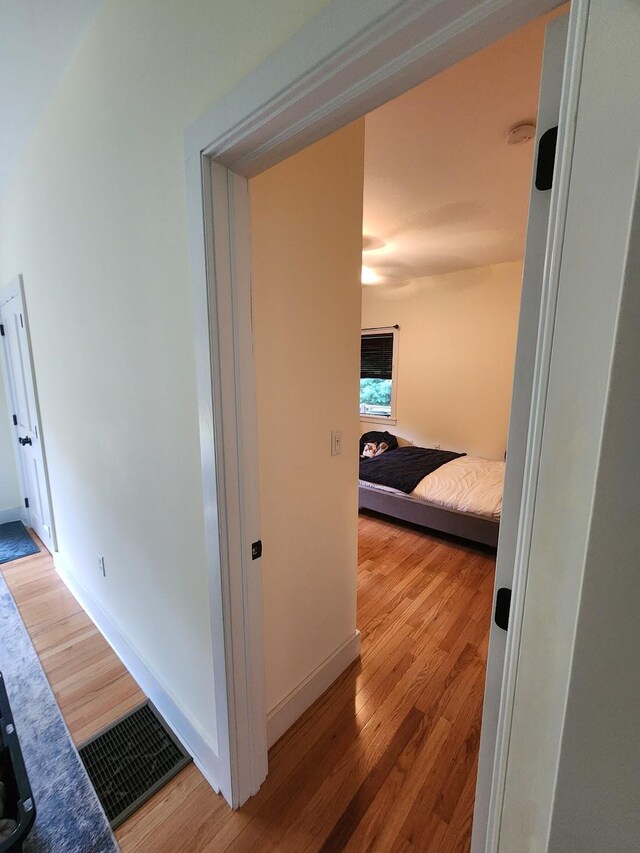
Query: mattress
point(467, 484)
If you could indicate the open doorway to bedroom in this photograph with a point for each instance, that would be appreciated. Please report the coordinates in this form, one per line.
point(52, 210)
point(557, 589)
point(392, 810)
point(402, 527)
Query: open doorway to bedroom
point(444, 229)
point(449, 209)
point(446, 170)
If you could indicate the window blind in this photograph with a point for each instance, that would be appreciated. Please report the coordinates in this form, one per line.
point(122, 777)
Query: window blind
point(376, 356)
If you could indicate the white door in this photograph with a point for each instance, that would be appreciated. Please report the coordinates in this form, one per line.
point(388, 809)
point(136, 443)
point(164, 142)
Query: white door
point(533, 276)
point(26, 421)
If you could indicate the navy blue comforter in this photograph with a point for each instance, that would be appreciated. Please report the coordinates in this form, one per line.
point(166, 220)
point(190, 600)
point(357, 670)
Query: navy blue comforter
point(403, 468)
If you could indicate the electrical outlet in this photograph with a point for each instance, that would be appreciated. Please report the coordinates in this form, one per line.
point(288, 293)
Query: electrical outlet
point(101, 565)
point(336, 442)
point(436, 447)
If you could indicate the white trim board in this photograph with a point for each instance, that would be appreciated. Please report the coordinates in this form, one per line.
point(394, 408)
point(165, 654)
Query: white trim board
point(185, 730)
point(540, 224)
point(542, 368)
point(293, 706)
point(348, 60)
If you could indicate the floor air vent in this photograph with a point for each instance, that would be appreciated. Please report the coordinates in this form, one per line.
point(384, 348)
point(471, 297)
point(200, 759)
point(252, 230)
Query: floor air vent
point(130, 760)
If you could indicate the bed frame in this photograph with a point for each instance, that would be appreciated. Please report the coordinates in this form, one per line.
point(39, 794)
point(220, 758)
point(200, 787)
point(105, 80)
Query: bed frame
point(478, 528)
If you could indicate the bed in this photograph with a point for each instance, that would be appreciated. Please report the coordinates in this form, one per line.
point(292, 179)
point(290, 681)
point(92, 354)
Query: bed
point(445, 491)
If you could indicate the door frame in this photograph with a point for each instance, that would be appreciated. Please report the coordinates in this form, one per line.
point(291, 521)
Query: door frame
point(15, 288)
point(345, 62)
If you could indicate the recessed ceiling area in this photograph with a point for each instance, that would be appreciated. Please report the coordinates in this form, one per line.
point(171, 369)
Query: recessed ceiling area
point(443, 189)
point(37, 40)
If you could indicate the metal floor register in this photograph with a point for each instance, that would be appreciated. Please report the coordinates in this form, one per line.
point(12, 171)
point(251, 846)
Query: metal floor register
point(130, 760)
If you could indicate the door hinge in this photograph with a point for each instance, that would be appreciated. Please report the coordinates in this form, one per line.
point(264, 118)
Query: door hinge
point(503, 608)
point(256, 550)
point(546, 159)
point(26, 503)
point(15, 420)
point(1, 330)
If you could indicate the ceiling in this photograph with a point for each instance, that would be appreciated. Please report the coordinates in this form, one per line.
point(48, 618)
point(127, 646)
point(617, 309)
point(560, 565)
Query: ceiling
point(37, 40)
point(442, 187)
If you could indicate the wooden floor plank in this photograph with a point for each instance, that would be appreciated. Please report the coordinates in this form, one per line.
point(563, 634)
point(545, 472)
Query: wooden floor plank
point(366, 793)
point(384, 761)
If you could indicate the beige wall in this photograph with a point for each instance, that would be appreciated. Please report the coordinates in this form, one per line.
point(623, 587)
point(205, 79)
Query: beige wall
point(95, 219)
point(456, 355)
point(307, 226)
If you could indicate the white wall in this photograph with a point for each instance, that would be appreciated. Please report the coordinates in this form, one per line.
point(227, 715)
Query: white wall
point(95, 219)
point(456, 354)
point(307, 236)
point(10, 498)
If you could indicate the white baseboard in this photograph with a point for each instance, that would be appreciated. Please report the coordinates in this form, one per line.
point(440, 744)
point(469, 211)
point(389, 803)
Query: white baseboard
point(286, 712)
point(187, 733)
point(15, 513)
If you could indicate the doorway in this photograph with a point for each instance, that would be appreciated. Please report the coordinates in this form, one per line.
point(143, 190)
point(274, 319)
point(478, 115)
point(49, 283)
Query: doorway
point(454, 320)
point(20, 385)
point(415, 589)
point(228, 270)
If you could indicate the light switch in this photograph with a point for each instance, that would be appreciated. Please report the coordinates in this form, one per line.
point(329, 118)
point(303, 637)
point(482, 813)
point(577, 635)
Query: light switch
point(336, 442)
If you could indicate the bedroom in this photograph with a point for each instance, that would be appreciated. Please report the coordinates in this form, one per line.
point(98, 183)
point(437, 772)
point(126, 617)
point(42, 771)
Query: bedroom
point(444, 228)
point(445, 213)
point(444, 225)
point(445, 216)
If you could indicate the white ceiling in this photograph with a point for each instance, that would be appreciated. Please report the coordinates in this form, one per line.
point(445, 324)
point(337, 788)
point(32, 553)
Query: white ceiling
point(37, 40)
point(442, 187)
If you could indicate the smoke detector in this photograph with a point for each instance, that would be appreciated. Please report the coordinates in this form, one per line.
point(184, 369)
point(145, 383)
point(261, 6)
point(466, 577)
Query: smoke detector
point(524, 131)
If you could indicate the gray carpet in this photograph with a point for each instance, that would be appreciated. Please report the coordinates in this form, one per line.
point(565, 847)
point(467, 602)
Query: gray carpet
point(69, 818)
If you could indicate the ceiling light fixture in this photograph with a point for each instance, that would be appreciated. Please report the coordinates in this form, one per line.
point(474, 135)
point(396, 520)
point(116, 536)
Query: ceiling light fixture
point(369, 276)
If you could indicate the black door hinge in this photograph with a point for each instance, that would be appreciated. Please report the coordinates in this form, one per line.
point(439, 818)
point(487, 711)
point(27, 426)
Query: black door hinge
point(15, 420)
point(1, 330)
point(503, 608)
point(546, 159)
point(256, 550)
point(26, 503)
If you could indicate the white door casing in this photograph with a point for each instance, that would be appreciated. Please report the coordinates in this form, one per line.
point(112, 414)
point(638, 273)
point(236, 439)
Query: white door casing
point(576, 534)
point(29, 443)
point(345, 62)
point(228, 441)
point(538, 242)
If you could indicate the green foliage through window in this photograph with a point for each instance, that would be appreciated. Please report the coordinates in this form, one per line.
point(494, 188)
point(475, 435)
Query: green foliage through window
point(375, 396)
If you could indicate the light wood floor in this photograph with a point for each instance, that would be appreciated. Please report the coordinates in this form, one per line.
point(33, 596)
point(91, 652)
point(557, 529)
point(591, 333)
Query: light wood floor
point(384, 761)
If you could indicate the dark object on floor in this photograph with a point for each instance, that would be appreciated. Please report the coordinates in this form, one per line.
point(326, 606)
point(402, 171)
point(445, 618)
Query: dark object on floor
point(70, 818)
point(17, 809)
point(15, 542)
point(131, 760)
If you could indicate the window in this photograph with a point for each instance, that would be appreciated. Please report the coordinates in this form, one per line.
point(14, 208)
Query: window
point(378, 362)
